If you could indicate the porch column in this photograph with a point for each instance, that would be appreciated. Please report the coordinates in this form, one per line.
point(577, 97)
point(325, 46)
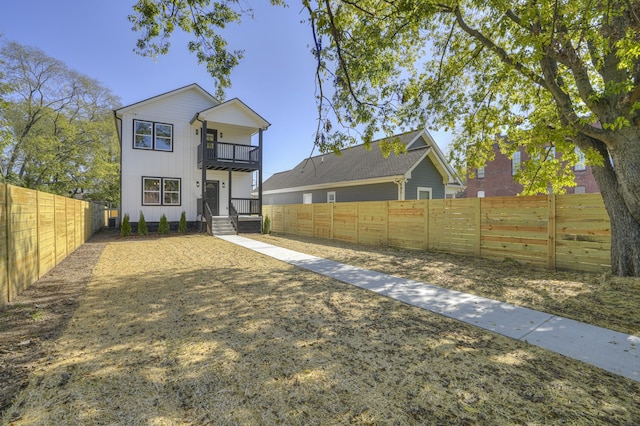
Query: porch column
point(230, 188)
point(203, 177)
point(260, 172)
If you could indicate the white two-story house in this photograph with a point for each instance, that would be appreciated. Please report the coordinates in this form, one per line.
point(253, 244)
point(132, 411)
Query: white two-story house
point(183, 151)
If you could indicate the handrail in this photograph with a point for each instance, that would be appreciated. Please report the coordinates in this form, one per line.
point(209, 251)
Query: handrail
point(208, 215)
point(233, 215)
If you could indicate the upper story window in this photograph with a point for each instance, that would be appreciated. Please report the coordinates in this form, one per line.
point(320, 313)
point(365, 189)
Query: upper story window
point(331, 197)
point(153, 136)
point(515, 162)
point(480, 173)
point(582, 160)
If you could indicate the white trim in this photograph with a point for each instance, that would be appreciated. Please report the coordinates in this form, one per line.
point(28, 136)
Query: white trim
point(329, 196)
point(424, 189)
point(386, 179)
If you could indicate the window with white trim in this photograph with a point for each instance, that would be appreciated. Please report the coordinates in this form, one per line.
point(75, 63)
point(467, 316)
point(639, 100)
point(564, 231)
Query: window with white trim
point(515, 162)
point(480, 194)
point(423, 193)
point(582, 160)
point(480, 174)
point(331, 197)
point(158, 191)
point(152, 136)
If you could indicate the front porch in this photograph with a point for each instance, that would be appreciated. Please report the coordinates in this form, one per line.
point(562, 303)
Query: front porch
point(245, 216)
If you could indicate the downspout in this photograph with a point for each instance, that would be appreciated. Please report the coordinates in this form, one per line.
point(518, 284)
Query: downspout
point(401, 189)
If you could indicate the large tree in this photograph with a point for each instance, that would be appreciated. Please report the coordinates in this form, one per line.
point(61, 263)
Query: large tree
point(544, 74)
point(58, 127)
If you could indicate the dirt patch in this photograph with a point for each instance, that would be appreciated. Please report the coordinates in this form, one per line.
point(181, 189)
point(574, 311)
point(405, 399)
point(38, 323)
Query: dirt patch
point(194, 330)
point(597, 299)
point(40, 314)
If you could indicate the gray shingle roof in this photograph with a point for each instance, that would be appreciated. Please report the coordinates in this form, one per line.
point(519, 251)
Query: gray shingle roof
point(356, 163)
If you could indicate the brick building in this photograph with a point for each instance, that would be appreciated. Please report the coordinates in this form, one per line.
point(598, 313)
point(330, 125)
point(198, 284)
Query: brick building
point(496, 178)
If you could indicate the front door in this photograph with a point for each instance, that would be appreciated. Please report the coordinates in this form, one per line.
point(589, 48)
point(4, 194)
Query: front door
point(211, 196)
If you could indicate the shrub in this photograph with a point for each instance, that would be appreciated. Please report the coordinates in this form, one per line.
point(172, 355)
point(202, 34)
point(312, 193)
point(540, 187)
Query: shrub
point(266, 225)
point(163, 227)
point(142, 225)
point(182, 227)
point(125, 226)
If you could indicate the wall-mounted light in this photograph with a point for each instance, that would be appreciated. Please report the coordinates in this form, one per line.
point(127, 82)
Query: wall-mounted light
point(197, 184)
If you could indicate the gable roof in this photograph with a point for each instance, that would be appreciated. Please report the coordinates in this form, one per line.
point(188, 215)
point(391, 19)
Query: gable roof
point(193, 86)
point(358, 163)
point(251, 117)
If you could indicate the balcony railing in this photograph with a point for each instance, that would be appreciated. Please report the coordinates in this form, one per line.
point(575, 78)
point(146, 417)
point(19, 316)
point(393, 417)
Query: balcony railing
point(222, 155)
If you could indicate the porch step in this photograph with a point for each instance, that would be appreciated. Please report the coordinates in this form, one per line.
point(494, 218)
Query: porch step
point(222, 226)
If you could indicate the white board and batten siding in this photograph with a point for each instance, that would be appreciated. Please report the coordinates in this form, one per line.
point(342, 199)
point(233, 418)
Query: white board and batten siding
point(177, 110)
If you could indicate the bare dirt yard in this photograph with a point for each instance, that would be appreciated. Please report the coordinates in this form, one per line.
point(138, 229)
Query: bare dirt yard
point(194, 330)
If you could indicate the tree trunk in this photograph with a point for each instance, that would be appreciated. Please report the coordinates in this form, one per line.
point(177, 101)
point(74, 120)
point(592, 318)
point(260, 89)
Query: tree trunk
point(625, 229)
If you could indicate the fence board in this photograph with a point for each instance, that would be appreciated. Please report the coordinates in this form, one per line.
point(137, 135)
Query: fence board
point(408, 223)
point(4, 251)
point(304, 220)
point(46, 233)
point(345, 222)
point(372, 223)
point(322, 220)
point(61, 228)
point(452, 226)
point(22, 239)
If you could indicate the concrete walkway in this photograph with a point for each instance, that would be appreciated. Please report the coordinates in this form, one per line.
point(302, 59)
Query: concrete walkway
point(612, 351)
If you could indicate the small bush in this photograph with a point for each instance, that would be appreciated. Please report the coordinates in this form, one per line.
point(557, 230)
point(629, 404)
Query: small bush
point(163, 226)
point(182, 227)
point(125, 227)
point(142, 225)
point(266, 225)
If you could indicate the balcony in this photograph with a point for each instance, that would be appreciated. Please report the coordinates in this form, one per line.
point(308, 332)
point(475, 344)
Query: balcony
point(223, 155)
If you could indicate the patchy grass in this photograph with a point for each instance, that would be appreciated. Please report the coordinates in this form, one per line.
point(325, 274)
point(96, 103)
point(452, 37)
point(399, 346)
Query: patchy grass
point(194, 330)
point(598, 299)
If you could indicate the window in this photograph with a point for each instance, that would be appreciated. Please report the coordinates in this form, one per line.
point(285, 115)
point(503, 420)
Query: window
point(423, 193)
point(152, 136)
point(307, 198)
point(582, 161)
point(160, 191)
point(515, 162)
point(480, 194)
point(480, 173)
point(331, 197)
point(579, 190)
point(171, 192)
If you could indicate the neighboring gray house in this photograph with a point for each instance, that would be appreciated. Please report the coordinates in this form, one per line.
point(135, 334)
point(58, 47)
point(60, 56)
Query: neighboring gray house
point(360, 174)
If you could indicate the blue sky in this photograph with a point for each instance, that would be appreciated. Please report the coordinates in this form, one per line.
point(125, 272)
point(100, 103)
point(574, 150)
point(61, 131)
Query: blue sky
point(276, 77)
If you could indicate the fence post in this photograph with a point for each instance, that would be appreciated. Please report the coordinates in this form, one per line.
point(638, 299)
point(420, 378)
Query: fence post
point(478, 225)
point(551, 232)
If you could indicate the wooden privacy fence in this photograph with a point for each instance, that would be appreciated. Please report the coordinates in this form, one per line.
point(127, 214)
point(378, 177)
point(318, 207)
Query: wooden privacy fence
point(37, 231)
point(558, 231)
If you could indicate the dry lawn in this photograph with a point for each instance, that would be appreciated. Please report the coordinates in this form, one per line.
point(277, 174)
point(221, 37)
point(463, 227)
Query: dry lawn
point(194, 330)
